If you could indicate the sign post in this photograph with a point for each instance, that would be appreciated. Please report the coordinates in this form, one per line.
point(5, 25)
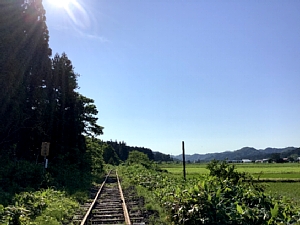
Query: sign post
point(45, 152)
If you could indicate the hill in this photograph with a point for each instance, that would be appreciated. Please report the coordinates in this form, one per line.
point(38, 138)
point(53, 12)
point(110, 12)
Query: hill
point(243, 153)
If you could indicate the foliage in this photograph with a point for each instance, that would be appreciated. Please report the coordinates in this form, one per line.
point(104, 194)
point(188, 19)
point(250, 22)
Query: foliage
point(95, 154)
point(41, 207)
point(68, 177)
point(39, 98)
point(225, 171)
point(137, 175)
point(215, 202)
point(224, 197)
point(24, 67)
point(109, 154)
point(72, 114)
point(18, 176)
point(136, 157)
point(123, 150)
point(40, 103)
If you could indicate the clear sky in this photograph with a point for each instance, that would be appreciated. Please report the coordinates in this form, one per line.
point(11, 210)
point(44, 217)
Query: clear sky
point(219, 75)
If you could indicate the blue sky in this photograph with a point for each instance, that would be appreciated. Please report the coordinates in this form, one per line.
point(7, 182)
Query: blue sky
point(219, 75)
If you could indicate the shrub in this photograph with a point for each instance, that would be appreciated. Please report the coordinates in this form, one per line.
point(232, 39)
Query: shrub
point(225, 171)
point(49, 206)
point(225, 196)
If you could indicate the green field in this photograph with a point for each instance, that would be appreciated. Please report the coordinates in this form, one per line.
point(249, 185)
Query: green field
point(265, 172)
point(286, 189)
point(262, 170)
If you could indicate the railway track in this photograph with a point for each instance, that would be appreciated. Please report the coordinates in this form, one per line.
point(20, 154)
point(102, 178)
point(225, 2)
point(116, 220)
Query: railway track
point(109, 206)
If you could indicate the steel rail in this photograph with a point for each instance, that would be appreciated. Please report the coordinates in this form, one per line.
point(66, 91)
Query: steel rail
point(85, 218)
point(126, 214)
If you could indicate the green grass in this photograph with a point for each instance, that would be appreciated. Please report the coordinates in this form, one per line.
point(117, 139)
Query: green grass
point(289, 190)
point(262, 170)
point(189, 170)
point(277, 175)
point(265, 171)
point(269, 168)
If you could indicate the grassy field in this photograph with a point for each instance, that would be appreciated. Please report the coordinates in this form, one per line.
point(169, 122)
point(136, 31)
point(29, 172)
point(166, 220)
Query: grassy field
point(263, 170)
point(289, 190)
point(272, 171)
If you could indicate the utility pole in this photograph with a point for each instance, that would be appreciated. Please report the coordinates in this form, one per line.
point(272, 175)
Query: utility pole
point(183, 159)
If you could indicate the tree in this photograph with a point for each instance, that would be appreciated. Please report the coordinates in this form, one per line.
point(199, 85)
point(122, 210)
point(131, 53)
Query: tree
point(24, 67)
point(95, 155)
point(39, 99)
point(88, 116)
point(109, 154)
point(293, 157)
point(224, 171)
point(276, 158)
point(71, 115)
point(136, 157)
point(158, 156)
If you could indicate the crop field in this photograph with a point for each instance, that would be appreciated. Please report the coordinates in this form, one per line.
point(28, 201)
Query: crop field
point(288, 172)
point(291, 190)
point(262, 170)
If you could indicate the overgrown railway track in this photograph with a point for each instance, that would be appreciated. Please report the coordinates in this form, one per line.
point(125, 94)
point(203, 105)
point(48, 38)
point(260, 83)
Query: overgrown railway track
point(109, 206)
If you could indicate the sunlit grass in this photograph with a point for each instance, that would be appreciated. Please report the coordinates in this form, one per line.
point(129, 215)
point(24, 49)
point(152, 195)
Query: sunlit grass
point(189, 170)
point(278, 175)
point(287, 170)
point(289, 190)
point(265, 171)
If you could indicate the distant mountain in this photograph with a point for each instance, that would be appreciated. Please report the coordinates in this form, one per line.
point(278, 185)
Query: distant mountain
point(243, 153)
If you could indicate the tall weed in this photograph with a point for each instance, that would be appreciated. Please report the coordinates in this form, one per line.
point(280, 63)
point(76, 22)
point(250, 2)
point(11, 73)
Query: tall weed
point(49, 206)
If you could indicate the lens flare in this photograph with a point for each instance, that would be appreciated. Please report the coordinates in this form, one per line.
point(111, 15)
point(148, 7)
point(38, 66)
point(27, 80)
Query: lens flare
point(61, 3)
point(77, 15)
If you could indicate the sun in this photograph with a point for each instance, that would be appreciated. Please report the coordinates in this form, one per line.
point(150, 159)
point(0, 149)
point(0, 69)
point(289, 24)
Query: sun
point(61, 3)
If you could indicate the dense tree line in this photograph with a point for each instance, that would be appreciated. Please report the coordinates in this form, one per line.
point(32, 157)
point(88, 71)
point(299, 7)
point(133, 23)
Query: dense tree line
point(122, 151)
point(293, 154)
point(40, 102)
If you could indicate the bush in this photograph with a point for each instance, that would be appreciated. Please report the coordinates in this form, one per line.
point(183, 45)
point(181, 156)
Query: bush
point(214, 202)
point(18, 176)
point(226, 171)
point(40, 207)
point(225, 196)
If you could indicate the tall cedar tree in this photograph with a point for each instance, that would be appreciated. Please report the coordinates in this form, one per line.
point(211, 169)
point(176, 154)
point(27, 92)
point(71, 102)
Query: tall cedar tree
point(70, 114)
point(38, 96)
point(24, 67)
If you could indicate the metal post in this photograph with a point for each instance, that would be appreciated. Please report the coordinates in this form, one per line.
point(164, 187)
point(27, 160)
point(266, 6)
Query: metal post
point(183, 159)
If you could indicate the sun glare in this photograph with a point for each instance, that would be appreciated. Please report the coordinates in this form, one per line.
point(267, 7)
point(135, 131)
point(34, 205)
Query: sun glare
point(74, 11)
point(61, 3)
